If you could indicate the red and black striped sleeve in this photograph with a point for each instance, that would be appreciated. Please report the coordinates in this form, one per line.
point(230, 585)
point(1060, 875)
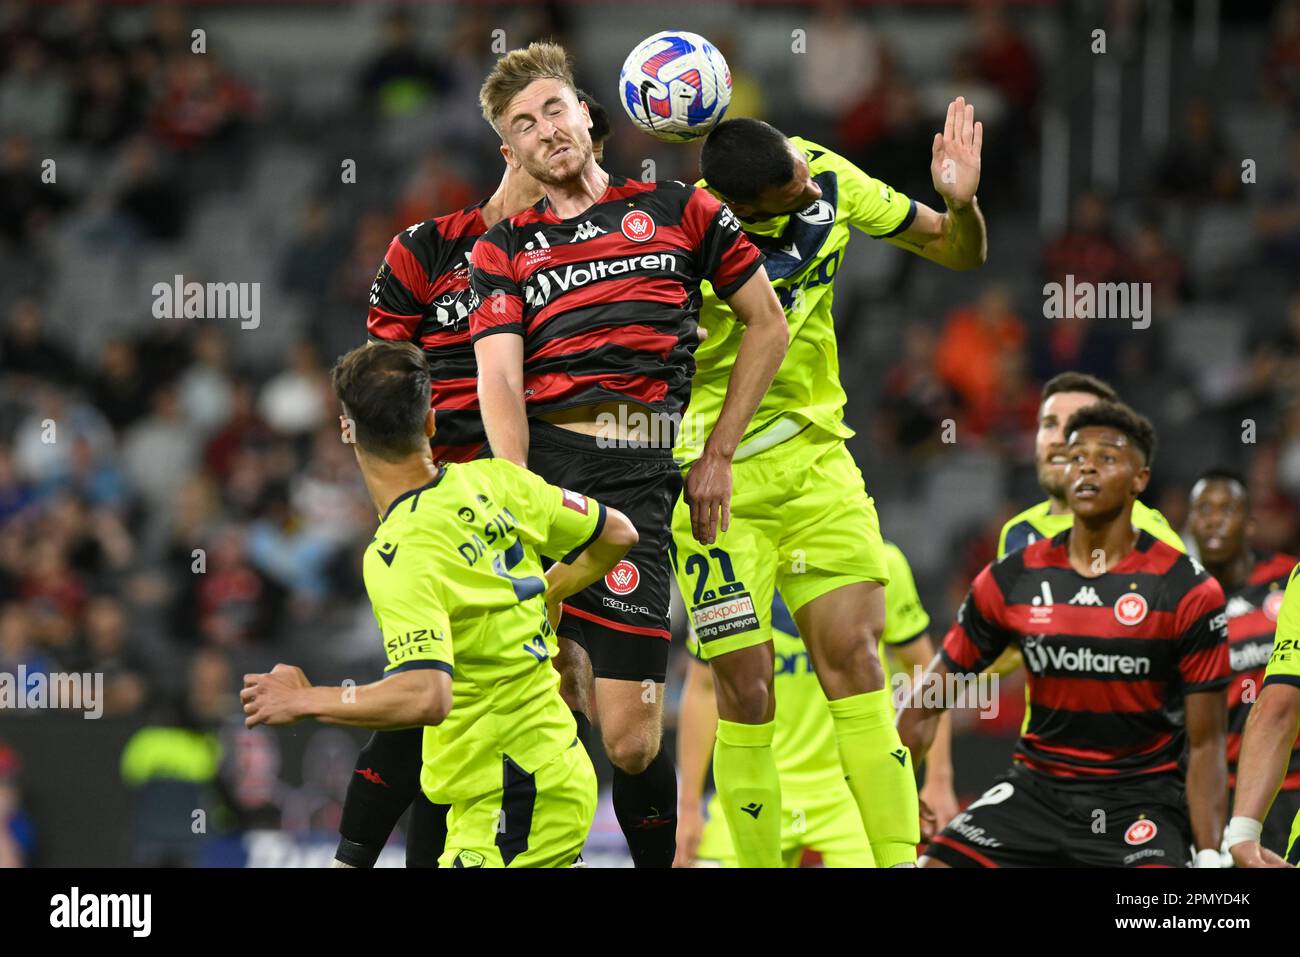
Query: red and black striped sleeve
point(498, 298)
point(977, 637)
point(399, 294)
point(727, 257)
point(1202, 624)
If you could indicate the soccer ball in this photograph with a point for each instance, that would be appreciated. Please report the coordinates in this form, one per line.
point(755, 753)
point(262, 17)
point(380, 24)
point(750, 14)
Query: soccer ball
point(675, 86)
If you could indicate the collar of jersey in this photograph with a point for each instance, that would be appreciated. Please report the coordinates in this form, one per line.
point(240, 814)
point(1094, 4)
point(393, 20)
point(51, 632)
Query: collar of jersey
point(544, 204)
point(1143, 544)
point(442, 470)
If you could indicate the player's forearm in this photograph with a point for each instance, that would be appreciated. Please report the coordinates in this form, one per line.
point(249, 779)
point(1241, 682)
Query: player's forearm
point(1207, 791)
point(616, 539)
point(505, 419)
point(387, 705)
point(762, 349)
point(697, 727)
point(963, 242)
point(917, 727)
point(938, 760)
point(1270, 735)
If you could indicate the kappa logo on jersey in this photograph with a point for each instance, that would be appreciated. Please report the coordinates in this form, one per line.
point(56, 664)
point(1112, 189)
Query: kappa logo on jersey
point(1130, 609)
point(575, 501)
point(1273, 605)
point(638, 226)
point(1087, 595)
point(587, 230)
point(1139, 832)
point(623, 578)
point(818, 214)
point(540, 285)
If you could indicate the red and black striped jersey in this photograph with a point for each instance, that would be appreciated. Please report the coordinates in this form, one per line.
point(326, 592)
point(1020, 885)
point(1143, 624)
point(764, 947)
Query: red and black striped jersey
point(607, 302)
point(421, 294)
point(1252, 621)
point(1109, 659)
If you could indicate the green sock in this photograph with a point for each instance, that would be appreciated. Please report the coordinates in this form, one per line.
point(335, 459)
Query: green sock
point(744, 770)
point(879, 772)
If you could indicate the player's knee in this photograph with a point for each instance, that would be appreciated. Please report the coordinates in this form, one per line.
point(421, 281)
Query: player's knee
point(852, 653)
point(631, 753)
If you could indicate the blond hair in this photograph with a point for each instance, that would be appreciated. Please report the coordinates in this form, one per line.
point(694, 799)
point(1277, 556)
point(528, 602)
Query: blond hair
point(517, 69)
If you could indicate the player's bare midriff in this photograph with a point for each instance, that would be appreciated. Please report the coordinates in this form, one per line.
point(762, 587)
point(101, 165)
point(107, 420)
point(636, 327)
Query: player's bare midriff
point(612, 420)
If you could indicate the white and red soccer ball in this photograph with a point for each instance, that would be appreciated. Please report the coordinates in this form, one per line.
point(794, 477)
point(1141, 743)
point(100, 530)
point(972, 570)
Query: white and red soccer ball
point(675, 86)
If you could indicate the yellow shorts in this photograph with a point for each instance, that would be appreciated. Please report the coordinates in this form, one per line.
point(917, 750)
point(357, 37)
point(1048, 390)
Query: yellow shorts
point(801, 522)
point(536, 820)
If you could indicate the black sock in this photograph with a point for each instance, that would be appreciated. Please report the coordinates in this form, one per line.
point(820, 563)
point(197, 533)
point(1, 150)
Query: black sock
point(584, 731)
point(646, 807)
point(426, 835)
point(386, 778)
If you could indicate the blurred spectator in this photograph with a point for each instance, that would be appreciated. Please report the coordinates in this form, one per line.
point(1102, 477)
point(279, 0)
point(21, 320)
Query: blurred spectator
point(172, 766)
point(436, 189)
point(28, 349)
point(967, 357)
point(151, 202)
point(159, 451)
point(205, 387)
point(1088, 249)
point(27, 205)
point(842, 69)
point(1003, 58)
point(298, 399)
point(1200, 166)
point(118, 389)
point(106, 110)
point(1282, 62)
point(34, 96)
point(292, 553)
point(914, 399)
point(1151, 260)
point(109, 650)
point(401, 78)
point(200, 103)
point(1277, 223)
point(222, 600)
point(45, 442)
point(309, 261)
point(17, 833)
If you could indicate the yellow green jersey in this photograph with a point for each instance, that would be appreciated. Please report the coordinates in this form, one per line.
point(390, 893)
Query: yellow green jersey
point(804, 251)
point(1038, 522)
point(455, 578)
point(1284, 668)
point(803, 743)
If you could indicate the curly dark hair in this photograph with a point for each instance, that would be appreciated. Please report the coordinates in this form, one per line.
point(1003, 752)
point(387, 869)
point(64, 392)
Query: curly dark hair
point(1118, 416)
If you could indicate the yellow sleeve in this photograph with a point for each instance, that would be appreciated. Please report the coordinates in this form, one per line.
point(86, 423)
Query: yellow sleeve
point(414, 623)
point(559, 523)
point(871, 205)
point(905, 616)
point(1284, 662)
point(1153, 523)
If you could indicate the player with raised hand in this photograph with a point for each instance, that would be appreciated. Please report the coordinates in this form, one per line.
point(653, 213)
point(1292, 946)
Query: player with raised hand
point(1272, 731)
point(421, 294)
point(1121, 760)
point(1221, 525)
point(584, 333)
point(454, 574)
point(801, 519)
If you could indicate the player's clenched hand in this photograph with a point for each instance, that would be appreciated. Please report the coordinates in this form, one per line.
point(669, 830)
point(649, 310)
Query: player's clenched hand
point(273, 698)
point(1254, 854)
point(690, 828)
point(941, 804)
point(708, 493)
point(955, 155)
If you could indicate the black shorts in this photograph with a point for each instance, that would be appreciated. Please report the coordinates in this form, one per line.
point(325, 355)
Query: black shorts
point(622, 620)
point(1027, 820)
